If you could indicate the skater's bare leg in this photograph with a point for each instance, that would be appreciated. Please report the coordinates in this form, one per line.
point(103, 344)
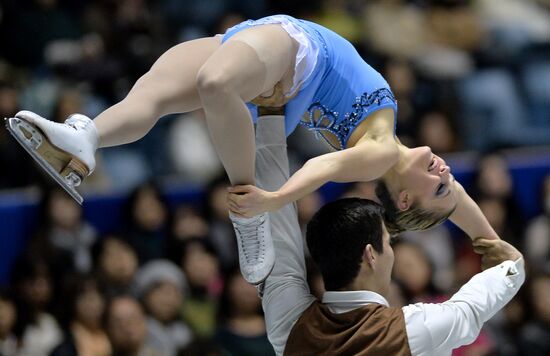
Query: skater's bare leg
point(168, 87)
point(248, 64)
point(220, 78)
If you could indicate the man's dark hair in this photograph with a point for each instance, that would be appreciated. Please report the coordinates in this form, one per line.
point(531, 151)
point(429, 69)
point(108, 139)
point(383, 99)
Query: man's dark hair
point(413, 219)
point(337, 235)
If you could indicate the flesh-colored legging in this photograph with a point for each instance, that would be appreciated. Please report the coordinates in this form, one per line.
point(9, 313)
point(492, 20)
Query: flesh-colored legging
point(219, 78)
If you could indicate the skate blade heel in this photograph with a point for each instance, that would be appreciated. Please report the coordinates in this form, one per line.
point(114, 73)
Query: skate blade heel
point(66, 170)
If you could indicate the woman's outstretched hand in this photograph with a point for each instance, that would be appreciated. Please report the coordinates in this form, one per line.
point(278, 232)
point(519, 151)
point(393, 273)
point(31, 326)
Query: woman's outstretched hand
point(248, 200)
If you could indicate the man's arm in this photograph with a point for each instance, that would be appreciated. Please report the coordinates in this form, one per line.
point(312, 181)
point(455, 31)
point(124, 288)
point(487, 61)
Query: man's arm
point(469, 218)
point(439, 328)
point(286, 292)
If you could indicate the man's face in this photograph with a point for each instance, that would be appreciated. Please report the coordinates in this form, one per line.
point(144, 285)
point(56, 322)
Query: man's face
point(384, 263)
point(126, 324)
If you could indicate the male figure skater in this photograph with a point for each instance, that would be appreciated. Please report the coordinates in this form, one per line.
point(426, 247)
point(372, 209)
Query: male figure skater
point(349, 242)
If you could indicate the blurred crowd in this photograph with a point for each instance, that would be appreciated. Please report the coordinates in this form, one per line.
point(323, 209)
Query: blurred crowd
point(468, 75)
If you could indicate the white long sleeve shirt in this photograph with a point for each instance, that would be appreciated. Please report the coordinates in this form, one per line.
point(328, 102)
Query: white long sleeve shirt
point(437, 329)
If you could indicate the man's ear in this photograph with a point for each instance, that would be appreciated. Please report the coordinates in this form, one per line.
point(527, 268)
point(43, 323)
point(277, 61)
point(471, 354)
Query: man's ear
point(369, 256)
point(404, 200)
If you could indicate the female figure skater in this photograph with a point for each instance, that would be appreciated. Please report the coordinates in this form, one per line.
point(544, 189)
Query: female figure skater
point(277, 61)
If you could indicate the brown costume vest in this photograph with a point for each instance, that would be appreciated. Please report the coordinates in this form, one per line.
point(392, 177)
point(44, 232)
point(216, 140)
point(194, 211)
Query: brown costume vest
point(372, 330)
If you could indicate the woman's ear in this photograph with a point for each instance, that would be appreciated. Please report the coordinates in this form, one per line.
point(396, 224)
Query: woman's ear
point(404, 200)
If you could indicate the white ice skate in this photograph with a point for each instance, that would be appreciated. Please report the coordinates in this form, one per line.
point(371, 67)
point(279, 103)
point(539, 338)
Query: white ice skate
point(65, 151)
point(256, 253)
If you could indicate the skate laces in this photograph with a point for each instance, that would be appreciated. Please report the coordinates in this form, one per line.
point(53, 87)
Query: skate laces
point(77, 121)
point(252, 244)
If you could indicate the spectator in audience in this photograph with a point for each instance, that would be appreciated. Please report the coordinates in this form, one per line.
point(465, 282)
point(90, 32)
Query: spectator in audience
point(202, 269)
point(407, 35)
point(116, 265)
point(396, 296)
point(467, 262)
point(148, 222)
point(69, 102)
point(222, 235)
point(202, 347)
point(8, 315)
point(11, 154)
point(188, 223)
point(506, 325)
point(307, 207)
point(494, 114)
point(437, 243)
point(186, 133)
point(493, 180)
point(241, 325)
point(63, 234)
point(437, 131)
point(162, 286)
point(536, 245)
point(535, 336)
point(36, 329)
point(81, 312)
point(413, 270)
point(454, 34)
point(497, 214)
point(405, 85)
point(127, 329)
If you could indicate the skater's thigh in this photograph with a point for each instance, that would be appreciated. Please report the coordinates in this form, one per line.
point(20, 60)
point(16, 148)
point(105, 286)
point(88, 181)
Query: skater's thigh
point(253, 61)
point(171, 81)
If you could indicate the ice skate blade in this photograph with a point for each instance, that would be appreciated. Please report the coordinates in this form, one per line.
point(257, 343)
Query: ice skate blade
point(31, 139)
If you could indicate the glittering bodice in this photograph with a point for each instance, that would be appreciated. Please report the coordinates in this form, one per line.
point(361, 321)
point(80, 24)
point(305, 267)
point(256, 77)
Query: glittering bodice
point(328, 123)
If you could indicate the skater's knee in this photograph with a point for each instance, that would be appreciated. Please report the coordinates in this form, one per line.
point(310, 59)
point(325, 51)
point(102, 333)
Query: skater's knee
point(213, 81)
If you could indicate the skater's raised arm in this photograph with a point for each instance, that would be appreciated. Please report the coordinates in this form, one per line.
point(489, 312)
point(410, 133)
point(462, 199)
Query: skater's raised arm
point(364, 162)
point(468, 217)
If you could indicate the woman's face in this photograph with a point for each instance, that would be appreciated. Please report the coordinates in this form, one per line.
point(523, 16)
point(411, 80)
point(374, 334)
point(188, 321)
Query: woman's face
point(63, 211)
point(200, 267)
point(164, 301)
point(411, 267)
point(7, 316)
point(118, 261)
point(426, 180)
point(244, 296)
point(494, 177)
point(540, 290)
point(37, 291)
point(89, 307)
point(149, 212)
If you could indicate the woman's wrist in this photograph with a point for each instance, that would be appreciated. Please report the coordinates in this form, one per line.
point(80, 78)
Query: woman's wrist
point(277, 200)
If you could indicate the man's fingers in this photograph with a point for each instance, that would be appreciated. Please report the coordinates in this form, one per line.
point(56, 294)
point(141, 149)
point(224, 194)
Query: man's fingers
point(234, 198)
point(487, 243)
point(233, 207)
point(239, 189)
point(238, 215)
point(480, 250)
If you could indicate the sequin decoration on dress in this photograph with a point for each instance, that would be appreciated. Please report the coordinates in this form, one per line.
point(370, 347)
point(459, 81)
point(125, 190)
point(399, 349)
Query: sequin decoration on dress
point(319, 118)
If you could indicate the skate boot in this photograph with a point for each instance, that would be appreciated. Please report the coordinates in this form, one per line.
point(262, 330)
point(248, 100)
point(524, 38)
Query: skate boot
point(256, 253)
point(65, 151)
